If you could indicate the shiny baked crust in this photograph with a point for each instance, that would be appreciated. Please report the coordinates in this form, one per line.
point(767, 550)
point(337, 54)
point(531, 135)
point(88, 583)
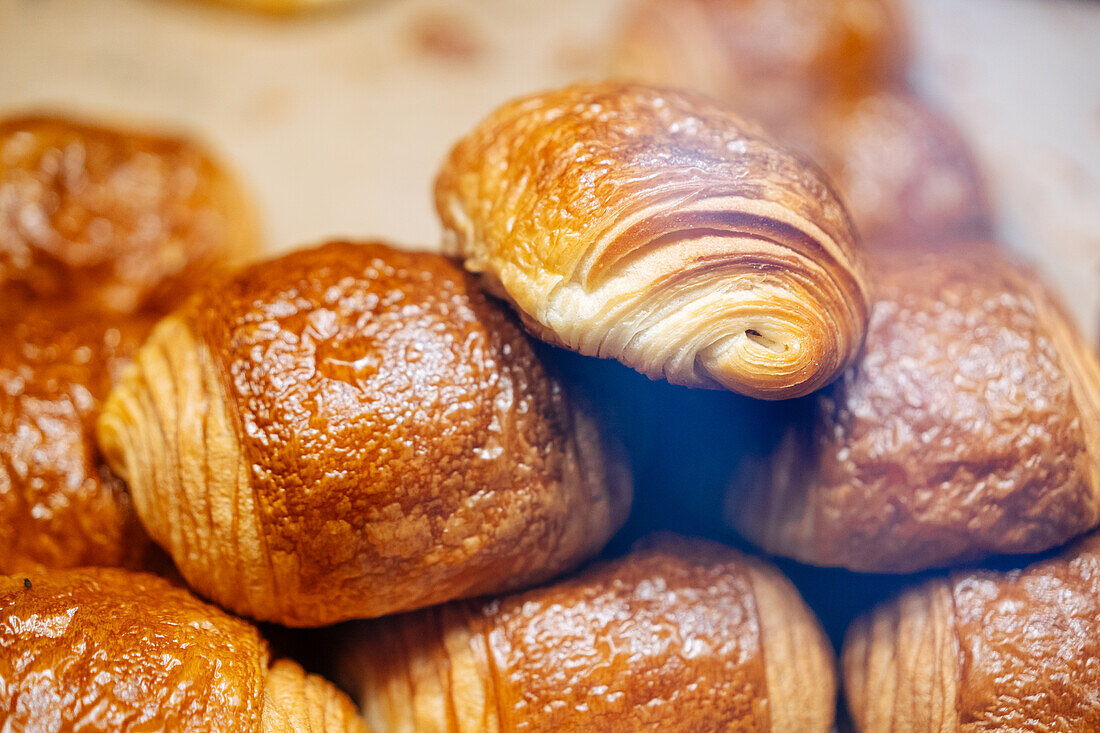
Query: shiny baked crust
point(904, 171)
point(770, 60)
point(351, 431)
point(969, 427)
point(102, 649)
point(647, 225)
point(59, 505)
point(983, 651)
point(680, 635)
point(114, 219)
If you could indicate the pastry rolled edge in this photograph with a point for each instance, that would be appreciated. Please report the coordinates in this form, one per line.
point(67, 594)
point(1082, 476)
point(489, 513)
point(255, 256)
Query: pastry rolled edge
point(214, 536)
point(900, 663)
point(296, 702)
point(690, 274)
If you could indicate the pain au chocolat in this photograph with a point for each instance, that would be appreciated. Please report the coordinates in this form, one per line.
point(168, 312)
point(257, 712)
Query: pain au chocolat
point(679, 635)
point(768, 59)
point(351, 431)
point(103, 649)
point(969, 427)
point(114, 219)
point(100, 231)
point(649, 226)
point(983, 651)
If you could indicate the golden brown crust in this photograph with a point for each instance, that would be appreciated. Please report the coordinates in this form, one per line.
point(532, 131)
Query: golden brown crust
point(102, 649)
point(770, 60)
point(351, 431)
point(649, 226)
point(59, 505)
point(969, 427)
point(113, 219)
point(905, 172)
point(1023, 657)
point(672, 637)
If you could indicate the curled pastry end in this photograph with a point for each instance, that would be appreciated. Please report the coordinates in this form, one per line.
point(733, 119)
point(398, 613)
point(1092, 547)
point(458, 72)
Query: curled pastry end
point(649, 226)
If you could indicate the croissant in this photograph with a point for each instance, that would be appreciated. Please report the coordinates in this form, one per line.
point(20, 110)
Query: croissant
point(679, 635)
point(113, 219)
point(969, 427)
point(770, 60)
point(352, 431)
point(103, 649)
point(59, 505)
point(983, 650)
point(905, 171)
point(649, 226)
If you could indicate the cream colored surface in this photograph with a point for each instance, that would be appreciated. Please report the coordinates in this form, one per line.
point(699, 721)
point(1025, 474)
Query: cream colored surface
point(339, 120)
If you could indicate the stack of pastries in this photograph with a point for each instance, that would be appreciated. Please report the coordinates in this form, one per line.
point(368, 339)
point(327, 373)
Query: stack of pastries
point(421, 443)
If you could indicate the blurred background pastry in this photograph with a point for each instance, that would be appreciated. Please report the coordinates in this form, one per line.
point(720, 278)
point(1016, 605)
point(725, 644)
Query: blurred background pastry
point(114, 219)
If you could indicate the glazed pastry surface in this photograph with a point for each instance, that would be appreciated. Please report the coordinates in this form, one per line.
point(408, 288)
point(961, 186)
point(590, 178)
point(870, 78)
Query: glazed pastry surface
point(680, 635)
point(114, 219)
point(647, 225)
point(770, 60)
point(904, 171)
point(983, 651)
point(351, 431)
point(59, 505)
point(102, 649)
point(969, 427)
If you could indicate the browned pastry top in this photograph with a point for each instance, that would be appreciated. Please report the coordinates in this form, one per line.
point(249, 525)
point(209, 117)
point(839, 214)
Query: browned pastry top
point(106, 650)
point(905, 173)
point(676, 635)
point(59, 505)
point(113, 219)
point(768, 59)
point(401, 441)
point(970, 426)
point(1029, 644)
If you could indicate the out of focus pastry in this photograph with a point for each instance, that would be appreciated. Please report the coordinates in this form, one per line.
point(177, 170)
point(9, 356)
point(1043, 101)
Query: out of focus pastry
point(649, 226)
point(771, 60)
point(59, 505)
point(679, 635)
point(102, 649)
point(983, 651)
point(970, 426)
point(904, 171)
point(351, 431)
point(114, 219)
